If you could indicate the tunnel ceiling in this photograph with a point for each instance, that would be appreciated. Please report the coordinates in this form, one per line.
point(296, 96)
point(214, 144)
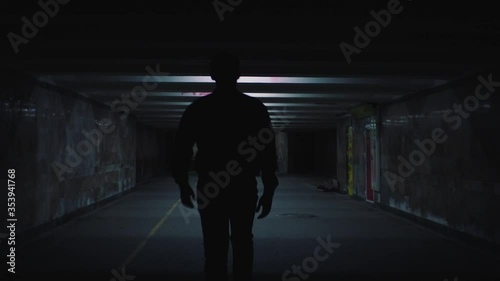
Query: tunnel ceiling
point(294, 102)
point(290, 53)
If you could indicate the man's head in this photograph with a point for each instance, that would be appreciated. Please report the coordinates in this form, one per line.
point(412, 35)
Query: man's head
point(225, 67)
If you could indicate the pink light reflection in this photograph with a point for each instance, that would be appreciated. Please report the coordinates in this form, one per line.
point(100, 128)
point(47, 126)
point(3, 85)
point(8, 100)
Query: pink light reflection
point(197, 94)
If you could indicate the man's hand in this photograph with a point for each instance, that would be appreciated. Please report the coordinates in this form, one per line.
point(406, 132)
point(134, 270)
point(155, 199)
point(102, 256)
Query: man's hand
point(187, 196)
point(265, 202)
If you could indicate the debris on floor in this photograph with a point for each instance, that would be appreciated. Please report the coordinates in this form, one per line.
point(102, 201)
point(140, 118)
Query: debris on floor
point(329, 185)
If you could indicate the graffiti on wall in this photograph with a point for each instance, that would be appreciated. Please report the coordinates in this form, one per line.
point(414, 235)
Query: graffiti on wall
point(350, 176)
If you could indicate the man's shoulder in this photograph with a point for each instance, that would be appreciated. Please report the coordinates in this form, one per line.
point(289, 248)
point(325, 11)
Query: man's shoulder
point(212, 100)
point(211, 97)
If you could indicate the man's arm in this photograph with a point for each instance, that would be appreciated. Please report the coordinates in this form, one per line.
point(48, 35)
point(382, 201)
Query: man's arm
point(268, 166)
point(269, 161)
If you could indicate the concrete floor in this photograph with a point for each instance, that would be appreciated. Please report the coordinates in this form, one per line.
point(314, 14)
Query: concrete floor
point(146, 231)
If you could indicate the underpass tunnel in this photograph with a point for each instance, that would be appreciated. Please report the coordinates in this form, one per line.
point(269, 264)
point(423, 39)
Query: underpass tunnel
point(387, 165)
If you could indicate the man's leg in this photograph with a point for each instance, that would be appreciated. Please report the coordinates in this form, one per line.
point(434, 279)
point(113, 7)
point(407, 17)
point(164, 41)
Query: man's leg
point(215, 227)
point(241, 219)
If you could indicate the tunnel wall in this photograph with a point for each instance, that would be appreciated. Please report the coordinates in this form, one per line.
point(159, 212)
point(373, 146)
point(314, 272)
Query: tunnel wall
point(358, 153)
point(282, 151)
point(457, 184)
point(357, 162)
point(74, 152)
point(18, 142)
point(342, 125)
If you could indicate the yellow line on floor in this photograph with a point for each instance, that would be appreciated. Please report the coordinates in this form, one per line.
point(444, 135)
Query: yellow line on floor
point(153, 231)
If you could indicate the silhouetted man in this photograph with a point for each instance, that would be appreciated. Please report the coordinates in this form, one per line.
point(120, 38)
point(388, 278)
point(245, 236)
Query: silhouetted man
point(236, 143)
